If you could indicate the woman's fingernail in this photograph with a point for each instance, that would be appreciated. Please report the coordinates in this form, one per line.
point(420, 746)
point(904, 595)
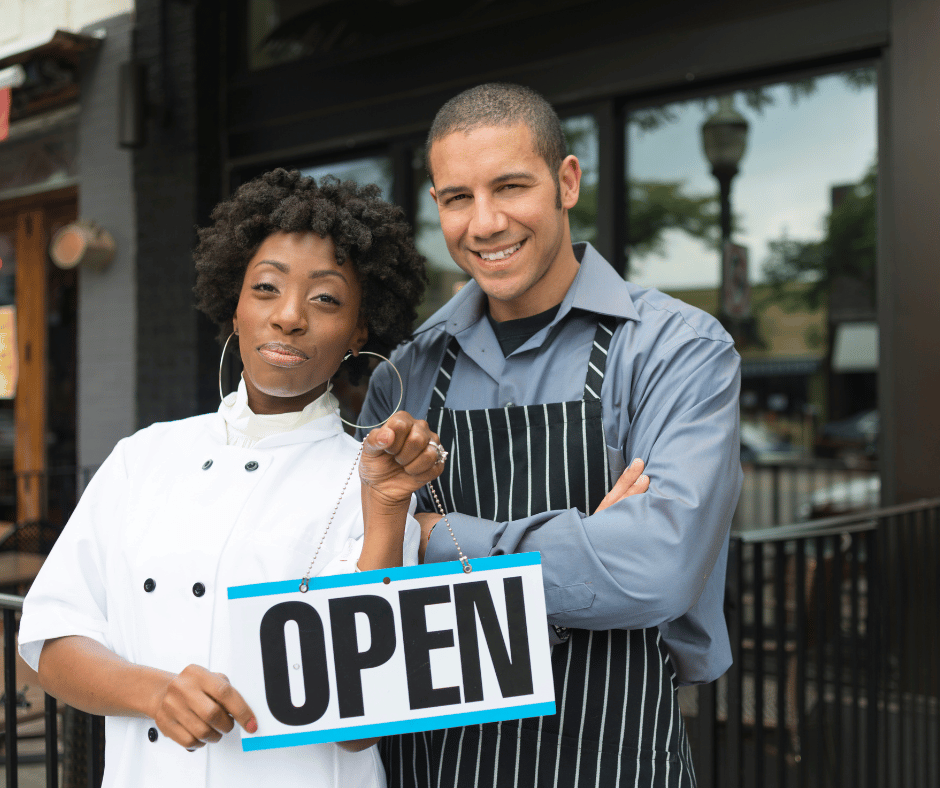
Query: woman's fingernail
point(252, 725)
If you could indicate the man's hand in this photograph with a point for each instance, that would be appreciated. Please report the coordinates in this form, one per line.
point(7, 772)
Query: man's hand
point(631, 482)
point(196, 707)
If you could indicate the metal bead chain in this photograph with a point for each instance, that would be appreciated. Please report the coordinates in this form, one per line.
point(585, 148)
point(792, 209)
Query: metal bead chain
point(304, 583)
point(463, 559)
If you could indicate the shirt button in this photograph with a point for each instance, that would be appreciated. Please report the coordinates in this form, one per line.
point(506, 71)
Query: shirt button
point(149, 584)
point(206, 465)
point(251, 466)
point(152, 734)
point(199, 589)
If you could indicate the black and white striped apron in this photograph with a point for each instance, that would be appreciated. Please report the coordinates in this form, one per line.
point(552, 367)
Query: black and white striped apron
point(617, 721)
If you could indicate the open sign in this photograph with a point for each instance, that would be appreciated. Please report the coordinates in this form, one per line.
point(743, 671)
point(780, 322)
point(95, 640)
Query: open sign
point(392, 651)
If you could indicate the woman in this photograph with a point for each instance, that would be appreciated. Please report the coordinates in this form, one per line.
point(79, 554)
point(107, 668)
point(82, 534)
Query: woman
point(128, 617)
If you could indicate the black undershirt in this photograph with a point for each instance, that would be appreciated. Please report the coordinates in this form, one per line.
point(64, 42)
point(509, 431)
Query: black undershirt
point(512, 334)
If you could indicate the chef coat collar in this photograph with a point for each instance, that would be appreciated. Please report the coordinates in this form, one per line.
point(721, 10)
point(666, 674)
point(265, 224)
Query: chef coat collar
point(319, 419)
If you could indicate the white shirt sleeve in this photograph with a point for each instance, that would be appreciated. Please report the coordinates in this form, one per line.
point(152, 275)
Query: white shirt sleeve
point(69, 596)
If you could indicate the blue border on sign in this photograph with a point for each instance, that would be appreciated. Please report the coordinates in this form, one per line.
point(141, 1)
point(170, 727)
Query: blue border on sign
point(378, 575)
point(403, 726)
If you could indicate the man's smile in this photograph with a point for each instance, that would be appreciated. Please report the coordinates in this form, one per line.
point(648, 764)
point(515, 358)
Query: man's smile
point(492, 257)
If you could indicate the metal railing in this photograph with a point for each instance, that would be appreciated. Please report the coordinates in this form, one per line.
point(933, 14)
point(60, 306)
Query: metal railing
point(83, 745)
point(835, 636)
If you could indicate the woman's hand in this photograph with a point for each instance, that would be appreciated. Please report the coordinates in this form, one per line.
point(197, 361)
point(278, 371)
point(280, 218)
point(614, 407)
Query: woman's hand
point(192, 708)
point(196, 707)
point(399, 458)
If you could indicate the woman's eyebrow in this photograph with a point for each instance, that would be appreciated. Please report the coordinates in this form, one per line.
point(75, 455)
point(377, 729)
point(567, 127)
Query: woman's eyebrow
point(285, 268)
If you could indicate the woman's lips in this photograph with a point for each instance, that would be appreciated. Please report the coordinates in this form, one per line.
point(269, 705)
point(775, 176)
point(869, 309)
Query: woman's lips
point(282, 355)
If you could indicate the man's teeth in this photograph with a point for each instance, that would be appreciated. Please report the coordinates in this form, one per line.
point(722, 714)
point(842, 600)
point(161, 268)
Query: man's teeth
point(500, 255)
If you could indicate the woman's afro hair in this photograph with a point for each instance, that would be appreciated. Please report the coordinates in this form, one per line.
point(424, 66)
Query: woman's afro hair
point(367, 231)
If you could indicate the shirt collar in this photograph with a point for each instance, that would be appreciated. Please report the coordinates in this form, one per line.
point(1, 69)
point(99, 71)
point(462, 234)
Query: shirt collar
point(597, 288)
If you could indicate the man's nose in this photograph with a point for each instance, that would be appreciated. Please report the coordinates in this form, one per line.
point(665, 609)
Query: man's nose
point(487, 220)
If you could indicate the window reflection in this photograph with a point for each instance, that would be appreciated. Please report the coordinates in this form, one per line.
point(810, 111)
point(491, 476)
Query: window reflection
point(582, 138)
point(376, 169)
point(800, 208)
point(444, 276)
point(45, 161)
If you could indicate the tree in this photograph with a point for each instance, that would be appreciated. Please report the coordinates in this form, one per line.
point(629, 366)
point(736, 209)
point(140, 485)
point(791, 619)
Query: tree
point(846, 253)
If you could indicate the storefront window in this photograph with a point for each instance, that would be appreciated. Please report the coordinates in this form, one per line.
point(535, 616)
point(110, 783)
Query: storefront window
point(780, 244)
point(376, 169)
point(38, 163)
point(445, 277)
point(581, 136)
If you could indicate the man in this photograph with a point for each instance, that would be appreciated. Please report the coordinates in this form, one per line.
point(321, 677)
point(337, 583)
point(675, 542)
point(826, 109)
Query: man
point(544, 376)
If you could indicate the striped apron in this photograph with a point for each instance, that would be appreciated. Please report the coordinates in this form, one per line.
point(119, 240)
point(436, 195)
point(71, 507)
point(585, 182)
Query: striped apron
point(617, 721)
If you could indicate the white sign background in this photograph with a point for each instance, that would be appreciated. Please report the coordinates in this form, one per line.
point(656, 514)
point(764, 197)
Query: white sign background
point(385, 691)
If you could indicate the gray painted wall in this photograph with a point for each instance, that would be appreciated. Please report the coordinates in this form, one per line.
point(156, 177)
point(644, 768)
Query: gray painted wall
point(107, 307)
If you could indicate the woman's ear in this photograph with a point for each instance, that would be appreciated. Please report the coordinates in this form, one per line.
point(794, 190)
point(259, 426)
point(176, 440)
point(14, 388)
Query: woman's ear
point(359, 338)
point(235, 324)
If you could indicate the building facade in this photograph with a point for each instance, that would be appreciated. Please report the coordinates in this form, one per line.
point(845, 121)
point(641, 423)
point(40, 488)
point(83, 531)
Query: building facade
point(224, 91)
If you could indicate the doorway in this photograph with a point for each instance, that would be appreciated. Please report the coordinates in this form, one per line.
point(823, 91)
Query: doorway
point(38, 354)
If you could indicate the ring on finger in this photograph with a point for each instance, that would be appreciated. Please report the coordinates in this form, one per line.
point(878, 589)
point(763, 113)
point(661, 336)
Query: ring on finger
point(441, 452)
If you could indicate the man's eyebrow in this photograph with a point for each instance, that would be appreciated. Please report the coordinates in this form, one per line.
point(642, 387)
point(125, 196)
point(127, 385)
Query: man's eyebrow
point(522, 175)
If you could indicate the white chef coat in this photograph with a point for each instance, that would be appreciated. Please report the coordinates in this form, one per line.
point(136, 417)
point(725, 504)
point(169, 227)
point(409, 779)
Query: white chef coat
point(177, 511)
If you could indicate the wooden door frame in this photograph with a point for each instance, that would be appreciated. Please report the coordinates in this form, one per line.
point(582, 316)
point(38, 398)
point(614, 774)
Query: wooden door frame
point(32, 217)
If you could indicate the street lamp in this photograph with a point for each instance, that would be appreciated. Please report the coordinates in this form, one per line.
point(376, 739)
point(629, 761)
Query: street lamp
point(724, 138)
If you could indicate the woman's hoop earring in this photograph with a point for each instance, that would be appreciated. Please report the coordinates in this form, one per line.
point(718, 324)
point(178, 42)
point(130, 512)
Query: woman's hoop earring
point(400, 398)
point(222, 361)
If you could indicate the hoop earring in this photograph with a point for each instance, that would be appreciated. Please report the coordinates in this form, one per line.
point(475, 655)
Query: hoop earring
point(222, 361)
point(400, 397)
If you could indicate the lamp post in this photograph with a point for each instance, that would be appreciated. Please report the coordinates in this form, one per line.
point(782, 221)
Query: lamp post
point(724, 139)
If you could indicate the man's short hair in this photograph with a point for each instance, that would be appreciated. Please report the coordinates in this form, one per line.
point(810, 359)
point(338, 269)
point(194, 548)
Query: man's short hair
point(501, 104)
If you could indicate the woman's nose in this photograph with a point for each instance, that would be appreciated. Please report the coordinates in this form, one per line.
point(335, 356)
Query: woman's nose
point(290, 315)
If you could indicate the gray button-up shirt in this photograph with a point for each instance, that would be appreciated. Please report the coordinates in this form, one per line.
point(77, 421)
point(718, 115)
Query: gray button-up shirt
point(670, 397)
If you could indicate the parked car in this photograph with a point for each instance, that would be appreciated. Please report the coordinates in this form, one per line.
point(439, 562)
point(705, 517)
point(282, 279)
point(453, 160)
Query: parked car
point(760, 444)
point(854, 439)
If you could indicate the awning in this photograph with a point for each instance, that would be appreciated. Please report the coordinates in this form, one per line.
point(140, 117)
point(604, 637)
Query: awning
point(57, 44)
point(855, 347)
point(778, 367)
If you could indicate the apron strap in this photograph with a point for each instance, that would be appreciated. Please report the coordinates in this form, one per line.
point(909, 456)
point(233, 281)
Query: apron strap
point(439, 394)
point(597, 364)
point(593, 381)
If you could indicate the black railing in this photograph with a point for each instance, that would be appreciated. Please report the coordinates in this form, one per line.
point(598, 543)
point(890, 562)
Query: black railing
point(835, 636)
point(82, 745)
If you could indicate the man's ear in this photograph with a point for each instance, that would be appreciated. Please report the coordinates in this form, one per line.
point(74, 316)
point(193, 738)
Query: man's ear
point(569, 182)
point(433, 195)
